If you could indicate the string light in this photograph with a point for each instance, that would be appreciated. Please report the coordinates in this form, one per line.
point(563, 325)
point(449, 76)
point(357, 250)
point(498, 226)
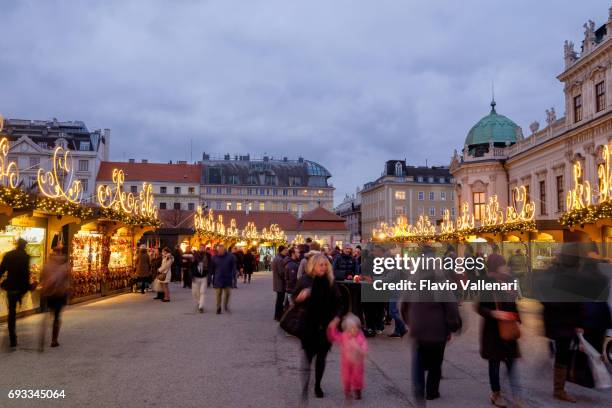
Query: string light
point(9, 173)
point(52, 183)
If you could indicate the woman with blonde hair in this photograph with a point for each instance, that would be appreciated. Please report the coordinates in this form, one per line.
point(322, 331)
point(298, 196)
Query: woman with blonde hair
point(319, 299)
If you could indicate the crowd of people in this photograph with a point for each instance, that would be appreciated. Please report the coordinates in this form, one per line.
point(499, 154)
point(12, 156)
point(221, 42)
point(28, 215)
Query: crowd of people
point(196, 269)
point(310, 306)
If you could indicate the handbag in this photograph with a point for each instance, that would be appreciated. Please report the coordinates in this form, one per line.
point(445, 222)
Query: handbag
point(292, 321)
point(579, 372)
point(508, 329)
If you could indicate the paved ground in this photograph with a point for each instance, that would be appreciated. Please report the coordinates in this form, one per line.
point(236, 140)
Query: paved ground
point(131, 351)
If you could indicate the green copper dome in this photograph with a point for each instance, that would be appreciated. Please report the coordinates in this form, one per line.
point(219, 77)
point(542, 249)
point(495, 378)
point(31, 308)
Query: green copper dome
point(492, 128)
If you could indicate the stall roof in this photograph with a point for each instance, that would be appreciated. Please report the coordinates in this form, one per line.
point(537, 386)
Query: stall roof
point(152, 172)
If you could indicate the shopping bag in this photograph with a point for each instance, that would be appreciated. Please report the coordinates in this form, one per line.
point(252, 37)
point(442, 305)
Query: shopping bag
point(599, 372)
point(579, 369)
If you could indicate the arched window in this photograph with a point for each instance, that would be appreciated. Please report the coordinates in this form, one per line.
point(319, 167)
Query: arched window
point(398, 168)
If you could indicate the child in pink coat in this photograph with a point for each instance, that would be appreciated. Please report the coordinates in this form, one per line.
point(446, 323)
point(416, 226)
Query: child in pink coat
point(353, 349)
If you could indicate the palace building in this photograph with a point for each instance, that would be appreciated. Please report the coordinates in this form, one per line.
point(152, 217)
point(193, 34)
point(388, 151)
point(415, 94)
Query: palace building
point(496, 156)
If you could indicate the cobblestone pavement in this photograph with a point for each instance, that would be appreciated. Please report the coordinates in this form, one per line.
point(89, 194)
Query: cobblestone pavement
point(131, 351)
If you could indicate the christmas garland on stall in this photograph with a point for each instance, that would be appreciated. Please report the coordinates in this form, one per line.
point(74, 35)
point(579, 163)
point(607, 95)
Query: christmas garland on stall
point(115, 215)
point(588, 215)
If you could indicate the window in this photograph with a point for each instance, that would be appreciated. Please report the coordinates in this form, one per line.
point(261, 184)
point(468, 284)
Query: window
point(177, 206)
point(420, 179)
point(262, 206)
point(177, 190)
point(479, 205)
point(542, 197)
point(432, 211)
point(560, 195)
point(228, 205)
point(527, 193)
point(208, 190)
point(218, 205)
point(191, 190)
point(600, 96)
point(432, 196)
point(442, 180)
point(295, 181)
point(452, 195)
point(162, 206)
point(218, 190)
point(577, 108)
point(163, 190)
point(33, 181)
point(285, 191)
point(270, 180)
point(399, 211)
point(295, 192)
point(44, 145)
point(252, 179)
point(84, 146)
point(398, 169)
point(234, 179)
point(400, 195)
point(452, 212)
point(239, 206)
point(191, 206)
point(83, 165)
point(34, 162)
point(274, 191)
point(431, 179)
point(443, 195)
point(133, 189)
point(421, 195)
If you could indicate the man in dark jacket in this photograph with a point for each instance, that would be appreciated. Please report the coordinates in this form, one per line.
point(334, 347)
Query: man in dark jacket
point(199, 274)
point(291, 265)
point(249, 265)
point(278, 281)
point(223, 267)
point(16, 264)
point(345, 264)
point(431, 318)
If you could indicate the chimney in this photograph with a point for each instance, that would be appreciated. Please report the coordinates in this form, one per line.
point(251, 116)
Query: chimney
point(144, 161)
point(131, 161)
point(226, 157)
point(106, 135)
point(181, 162)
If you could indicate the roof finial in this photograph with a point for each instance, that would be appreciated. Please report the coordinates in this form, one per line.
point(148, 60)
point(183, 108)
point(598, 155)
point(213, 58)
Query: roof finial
point(493, 97)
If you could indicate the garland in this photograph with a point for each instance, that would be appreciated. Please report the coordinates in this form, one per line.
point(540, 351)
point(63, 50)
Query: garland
point(116, 215)
point(588, 215)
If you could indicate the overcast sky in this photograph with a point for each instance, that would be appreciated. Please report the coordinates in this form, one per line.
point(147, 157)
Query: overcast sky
point(348, 84)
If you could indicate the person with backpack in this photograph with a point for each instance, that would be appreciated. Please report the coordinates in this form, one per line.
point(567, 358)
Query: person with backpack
point(199, 274)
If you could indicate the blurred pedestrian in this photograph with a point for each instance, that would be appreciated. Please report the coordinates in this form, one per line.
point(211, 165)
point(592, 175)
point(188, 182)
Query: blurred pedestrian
point(498, 341)
point(55, 282)
point(164, 273)
point(353, 349)
point(199, 273)
point(432, 318)
point(177, 257)
point(143, 268)
point(318, 297)
point(155, 264)
point(250, 259)
point(223, 267)
point(16, 264)
point(278, 281)
point(290, 266)
point(186, 265)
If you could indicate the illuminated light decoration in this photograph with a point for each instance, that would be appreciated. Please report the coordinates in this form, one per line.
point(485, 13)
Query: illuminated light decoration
point(424, 227)
point(125, 206)
point(250, 231)
point(232, 230)
point(604, 176)
point(520, 209)
point(9, 173)
point(466, 220)
point(492, 214)
point(579, 197)
point(447, 226)
point(219, 227)
point(53, 183)
point(298, 240)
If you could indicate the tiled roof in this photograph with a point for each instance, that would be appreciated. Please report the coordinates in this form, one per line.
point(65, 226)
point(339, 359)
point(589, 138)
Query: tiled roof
point(168, 172)
point(321, 214)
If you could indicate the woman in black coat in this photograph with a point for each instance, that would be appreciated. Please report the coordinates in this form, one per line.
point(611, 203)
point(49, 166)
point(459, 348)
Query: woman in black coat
point(319, 298)
point(501, 306)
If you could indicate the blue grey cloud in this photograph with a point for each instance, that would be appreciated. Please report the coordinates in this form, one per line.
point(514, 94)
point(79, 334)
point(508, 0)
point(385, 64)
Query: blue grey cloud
point(349, 84)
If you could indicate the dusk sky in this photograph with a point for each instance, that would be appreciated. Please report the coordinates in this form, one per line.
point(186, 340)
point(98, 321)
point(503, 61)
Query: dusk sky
point(348, 84)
